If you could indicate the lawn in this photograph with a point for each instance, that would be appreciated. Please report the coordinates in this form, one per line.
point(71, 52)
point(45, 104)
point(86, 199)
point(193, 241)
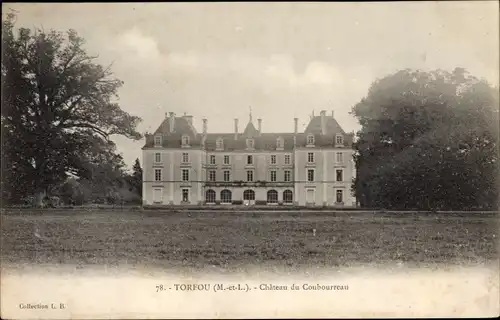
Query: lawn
point(236, 241)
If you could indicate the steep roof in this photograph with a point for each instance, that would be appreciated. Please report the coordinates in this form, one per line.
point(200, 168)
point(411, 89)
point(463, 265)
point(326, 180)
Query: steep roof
point(250, 130)
point(332, 126)
point(262, 141)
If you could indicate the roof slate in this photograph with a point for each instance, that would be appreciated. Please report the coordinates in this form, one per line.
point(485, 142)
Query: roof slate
point(262, 141)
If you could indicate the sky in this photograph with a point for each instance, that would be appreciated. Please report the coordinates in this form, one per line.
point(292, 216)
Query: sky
point(282, 60)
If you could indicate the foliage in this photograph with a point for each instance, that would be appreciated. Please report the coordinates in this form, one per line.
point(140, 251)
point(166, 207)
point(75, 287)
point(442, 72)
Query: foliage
point(429, 140)
point(58, 110)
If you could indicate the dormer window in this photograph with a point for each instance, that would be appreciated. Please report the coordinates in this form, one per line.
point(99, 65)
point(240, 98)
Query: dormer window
point(339, 139)
point(310, 139)
point(219, 144)
point(157, 141)
point(279, 143)
point(250, 143)
point(185, 140)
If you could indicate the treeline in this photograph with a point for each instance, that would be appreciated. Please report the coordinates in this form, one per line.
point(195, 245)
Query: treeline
point(429, 140)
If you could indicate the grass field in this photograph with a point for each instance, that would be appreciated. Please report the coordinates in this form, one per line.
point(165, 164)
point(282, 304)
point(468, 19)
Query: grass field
point(236, 241)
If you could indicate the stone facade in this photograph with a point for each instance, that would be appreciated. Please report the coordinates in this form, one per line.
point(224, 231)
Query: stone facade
point(314, 167)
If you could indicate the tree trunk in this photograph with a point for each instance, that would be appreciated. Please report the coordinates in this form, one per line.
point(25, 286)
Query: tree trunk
point(39, 196)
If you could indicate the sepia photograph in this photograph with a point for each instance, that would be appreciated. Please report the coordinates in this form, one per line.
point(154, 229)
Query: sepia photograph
point(232, 160)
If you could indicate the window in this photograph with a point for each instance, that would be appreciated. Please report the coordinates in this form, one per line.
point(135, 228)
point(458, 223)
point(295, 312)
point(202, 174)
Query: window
point(338, 175)
point(185, 157)
point(157, 157)
point(279, 143)
point(339, 157)
point(226, 159)
point(225, 196)
point(211, 175)
point(250, 175)
point(287, 175)
point(185, 140)
point(339, 196)
point(310, 139)
point(185, 195)
point(212, 159)
point(287, 196)
point(249, 195)
point(185, 175)
point(272, 196)
point(227, 175)
point(210, 196)
point(287, 159)
point(310, 157)
point(273, 159)
point(339, 139)
point(220, 143)
point(157, 174)
point(157, 140)
point(273, 175)
point(249, 159)
point(310, 175)
point(250, 143)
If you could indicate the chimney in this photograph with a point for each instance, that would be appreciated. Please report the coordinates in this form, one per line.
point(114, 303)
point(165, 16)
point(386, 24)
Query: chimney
point(333, 114)
point(235, 129)
point(323, 121)
point(166, 115)
point(204, 126)
point(260, 125)
point(172, 121)
point(296, 125)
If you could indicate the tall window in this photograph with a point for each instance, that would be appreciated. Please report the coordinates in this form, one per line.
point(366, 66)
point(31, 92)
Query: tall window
point(212, 159)
point(226, 159)
point(185, 157)
point(287, 196)
point(287, 176)
point(338, 173)
point(339, 196)
point(227, 175)
point(250, 175)
point(185, 140)
point(287, 159)
point(310, 139)
point(157, 174)
point(249, 159)
point(248, 195)
point(225, 196)
point(310, 157)
point(211, 175)
point(339, 157)
point(210, 196)
point(185, 195)
point(157, 157)
point(219, 143)
point(339, 139)
point(310, 175)
point(273, 175)
point(185, 175)
point(272, 196)
point(273, 159)
point(157, 141)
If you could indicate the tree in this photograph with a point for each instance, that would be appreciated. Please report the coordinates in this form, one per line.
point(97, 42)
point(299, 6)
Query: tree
point(136, 180)
point(429, 140)
point(57, 104)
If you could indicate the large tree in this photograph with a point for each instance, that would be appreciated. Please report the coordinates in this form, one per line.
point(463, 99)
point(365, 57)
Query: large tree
point(428, 140)
point(57, 106)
